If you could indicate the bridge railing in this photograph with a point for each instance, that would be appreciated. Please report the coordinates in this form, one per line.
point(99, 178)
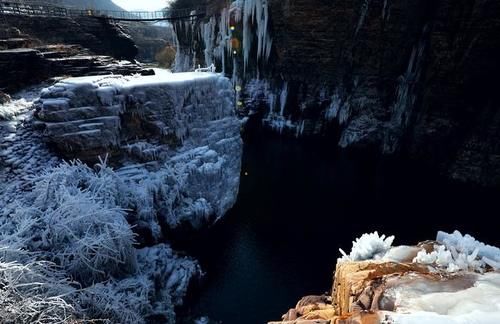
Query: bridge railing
point(42, 9)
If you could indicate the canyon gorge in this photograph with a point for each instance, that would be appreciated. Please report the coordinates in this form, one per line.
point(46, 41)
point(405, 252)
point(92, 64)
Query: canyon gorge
point(226, 188)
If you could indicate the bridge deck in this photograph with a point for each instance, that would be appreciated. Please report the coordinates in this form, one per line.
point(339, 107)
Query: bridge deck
point(32, 8)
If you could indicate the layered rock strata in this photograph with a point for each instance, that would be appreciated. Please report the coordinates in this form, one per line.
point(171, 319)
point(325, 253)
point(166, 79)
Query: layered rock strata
point(176, 134)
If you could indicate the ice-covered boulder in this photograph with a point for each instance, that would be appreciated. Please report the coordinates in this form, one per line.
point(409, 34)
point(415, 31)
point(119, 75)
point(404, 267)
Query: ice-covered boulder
point(89, 116)
point(174, 137)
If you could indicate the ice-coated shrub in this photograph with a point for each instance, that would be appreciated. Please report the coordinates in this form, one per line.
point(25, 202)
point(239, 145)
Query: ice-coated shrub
point(35, 292)
point(125, 301)
point(104, 185)
point(67, 254)
point(72, 216)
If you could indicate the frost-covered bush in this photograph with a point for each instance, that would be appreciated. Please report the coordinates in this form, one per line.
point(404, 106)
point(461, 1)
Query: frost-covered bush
point(104, 185)
point(173, 277)
point(72, 216)
point(72, 225)
point(35, 292)
point(367, 247)
point(129, 300)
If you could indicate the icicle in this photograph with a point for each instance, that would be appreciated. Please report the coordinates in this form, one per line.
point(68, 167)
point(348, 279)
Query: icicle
point(385, 11)
point(256, 12)
point(333, 110)
point(283, 98)
point(208, 35)
point(300, 129)
point(364, 12)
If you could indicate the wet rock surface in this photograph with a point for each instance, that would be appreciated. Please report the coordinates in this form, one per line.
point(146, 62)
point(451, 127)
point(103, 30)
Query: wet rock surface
point(414, 76)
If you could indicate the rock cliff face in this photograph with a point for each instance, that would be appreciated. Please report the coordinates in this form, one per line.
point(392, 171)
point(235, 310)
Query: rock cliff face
point(34, 50)
point(404, 77)
point(99, 36)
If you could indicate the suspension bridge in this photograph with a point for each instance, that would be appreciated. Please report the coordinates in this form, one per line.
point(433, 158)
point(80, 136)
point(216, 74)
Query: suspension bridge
point(44, 9)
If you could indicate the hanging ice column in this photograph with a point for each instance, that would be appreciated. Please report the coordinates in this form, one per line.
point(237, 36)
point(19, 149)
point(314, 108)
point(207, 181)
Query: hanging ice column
point(217, 45)
point(256, 13)
point(217, 33)
point(185, 36)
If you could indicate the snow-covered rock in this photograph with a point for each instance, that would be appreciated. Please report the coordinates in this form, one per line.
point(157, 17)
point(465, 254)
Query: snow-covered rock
point(89, 116)
point(175, 138)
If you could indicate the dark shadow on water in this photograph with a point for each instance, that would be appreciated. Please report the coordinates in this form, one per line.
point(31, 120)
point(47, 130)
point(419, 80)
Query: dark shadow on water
point(299, 202)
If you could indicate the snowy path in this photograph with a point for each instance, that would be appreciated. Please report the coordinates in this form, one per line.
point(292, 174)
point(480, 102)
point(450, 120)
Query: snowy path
point(23, 154)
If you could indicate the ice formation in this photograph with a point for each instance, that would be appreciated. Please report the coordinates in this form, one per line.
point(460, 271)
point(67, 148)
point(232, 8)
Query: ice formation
point(362, 16)
point(454, 252)
point(23, 153)
point(256, 14)
point(216, 35)
point(72, 225)
point(368, 247)
point(461, 253)
point(458, 286)
point(179, 130)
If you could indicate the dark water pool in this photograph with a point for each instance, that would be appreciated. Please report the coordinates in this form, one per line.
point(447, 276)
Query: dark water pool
point(299, 202)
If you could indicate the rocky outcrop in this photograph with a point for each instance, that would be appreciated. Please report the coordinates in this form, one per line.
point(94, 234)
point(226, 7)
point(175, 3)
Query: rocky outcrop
point(403, 77)
point(174, 134)
point(73, 47)
point(27, 66)
point(100, 36)
point(178, 165)
point(377, 284)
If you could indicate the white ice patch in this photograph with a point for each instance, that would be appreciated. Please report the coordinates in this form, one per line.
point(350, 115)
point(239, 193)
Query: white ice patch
point(480, 304)
point(13, 108)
